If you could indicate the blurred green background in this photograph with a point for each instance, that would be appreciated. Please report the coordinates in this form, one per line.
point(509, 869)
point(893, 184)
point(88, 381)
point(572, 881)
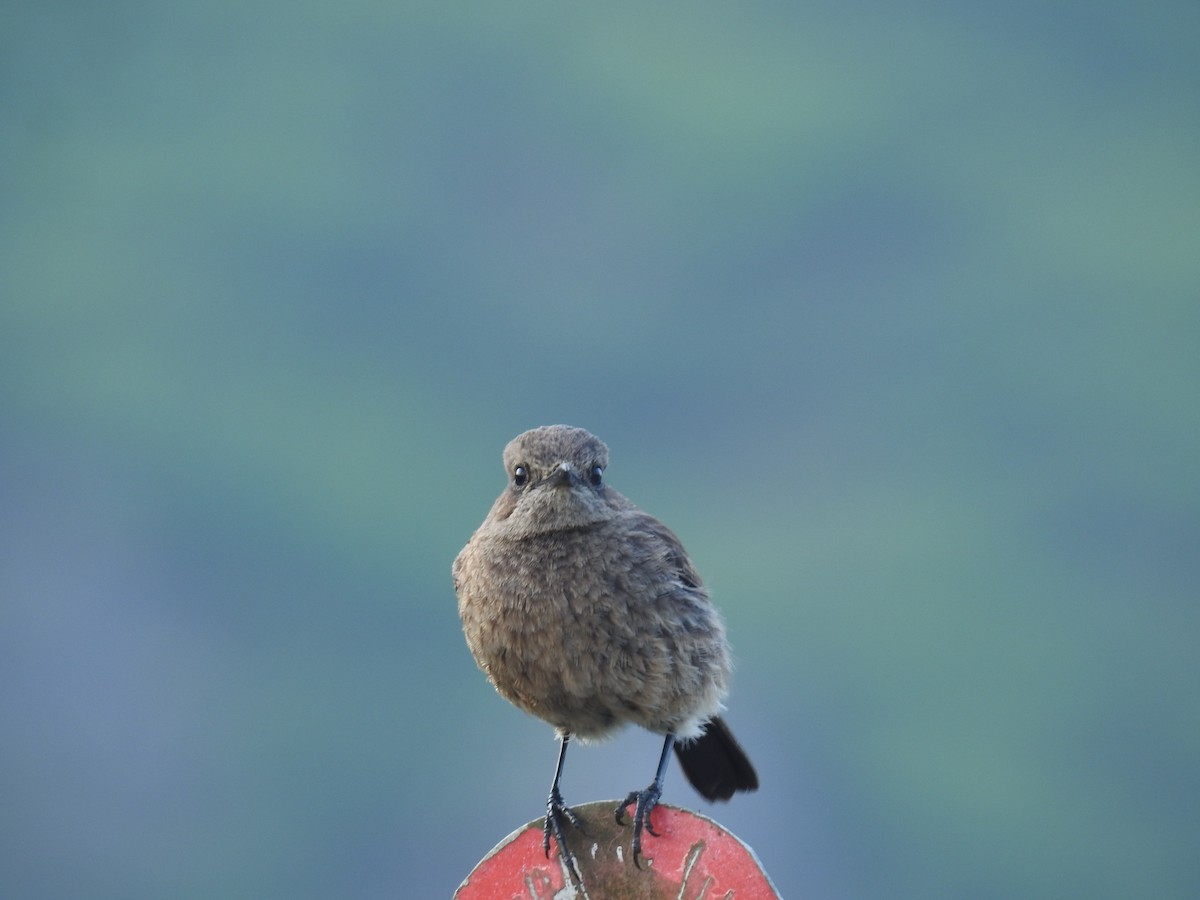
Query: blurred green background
point(891, 311)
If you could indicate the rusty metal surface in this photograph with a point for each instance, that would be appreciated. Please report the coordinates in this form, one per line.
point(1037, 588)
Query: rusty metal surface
point(694, 858)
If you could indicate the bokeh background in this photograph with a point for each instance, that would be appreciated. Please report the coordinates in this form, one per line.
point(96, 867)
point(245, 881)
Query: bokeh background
point(890, 310)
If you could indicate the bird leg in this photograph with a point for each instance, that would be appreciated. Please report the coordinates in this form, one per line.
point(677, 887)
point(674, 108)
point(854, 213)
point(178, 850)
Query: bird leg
point(644, 802)
point(556, 811)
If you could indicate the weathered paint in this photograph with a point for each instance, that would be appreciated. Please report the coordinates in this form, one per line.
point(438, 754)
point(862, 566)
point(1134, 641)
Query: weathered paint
point(693, 858)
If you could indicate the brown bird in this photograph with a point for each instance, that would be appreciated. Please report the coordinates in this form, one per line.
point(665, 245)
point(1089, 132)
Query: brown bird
point(588, 613)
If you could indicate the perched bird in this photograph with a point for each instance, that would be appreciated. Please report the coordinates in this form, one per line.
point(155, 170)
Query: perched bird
point(588, 613)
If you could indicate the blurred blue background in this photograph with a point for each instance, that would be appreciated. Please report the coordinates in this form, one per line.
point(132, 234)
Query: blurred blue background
point(890, 311)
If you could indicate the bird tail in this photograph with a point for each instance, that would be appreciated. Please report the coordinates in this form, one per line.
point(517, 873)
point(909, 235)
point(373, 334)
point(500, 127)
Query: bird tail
point(715, 763)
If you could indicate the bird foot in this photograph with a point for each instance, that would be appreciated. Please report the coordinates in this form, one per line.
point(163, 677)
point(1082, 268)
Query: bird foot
point(556, 812)
point(644, 802)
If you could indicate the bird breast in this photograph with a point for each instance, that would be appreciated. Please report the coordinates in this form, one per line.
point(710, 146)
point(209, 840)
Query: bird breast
point(592, 628)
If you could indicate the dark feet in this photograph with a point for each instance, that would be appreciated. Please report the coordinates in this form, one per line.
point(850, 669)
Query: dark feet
point(645, 801)
point(556, 812)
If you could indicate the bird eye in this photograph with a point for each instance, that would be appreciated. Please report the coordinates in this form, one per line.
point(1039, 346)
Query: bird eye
point(597, 475)
point(520, 476)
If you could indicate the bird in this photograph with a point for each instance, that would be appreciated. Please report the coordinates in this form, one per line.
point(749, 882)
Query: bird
point(589, 614)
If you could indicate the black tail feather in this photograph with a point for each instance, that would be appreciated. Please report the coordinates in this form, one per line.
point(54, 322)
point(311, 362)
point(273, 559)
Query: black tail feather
point(715, 763)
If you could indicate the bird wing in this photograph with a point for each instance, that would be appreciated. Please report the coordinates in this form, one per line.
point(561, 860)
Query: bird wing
point(676, 555)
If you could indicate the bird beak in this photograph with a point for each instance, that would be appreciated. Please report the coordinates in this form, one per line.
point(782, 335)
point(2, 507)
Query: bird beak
point(562, 476)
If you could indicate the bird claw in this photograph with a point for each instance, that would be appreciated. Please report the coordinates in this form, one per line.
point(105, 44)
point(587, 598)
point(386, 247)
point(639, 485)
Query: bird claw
point(644, 802)
point(556, 811)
